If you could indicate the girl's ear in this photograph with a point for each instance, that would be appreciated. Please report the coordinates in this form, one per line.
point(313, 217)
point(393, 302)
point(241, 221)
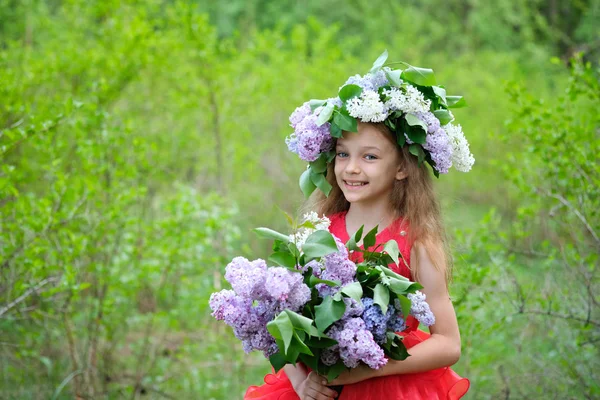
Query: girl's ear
point(401, 174)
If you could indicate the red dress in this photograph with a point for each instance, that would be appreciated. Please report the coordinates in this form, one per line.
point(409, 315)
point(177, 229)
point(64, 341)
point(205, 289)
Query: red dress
point(442, 383)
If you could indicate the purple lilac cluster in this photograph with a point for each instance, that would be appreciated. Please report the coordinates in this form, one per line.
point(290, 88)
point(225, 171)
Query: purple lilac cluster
point(336, 267)
point(378, 323)
point(259, 294)
point(308, 140)
point(369, 81)
point(420, 309)
point(437, 142)
point(355, 344)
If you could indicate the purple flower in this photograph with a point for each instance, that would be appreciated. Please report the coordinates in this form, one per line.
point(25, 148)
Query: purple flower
point(433, 124)
point(353, 308)
point(336, 267)
point(299, 114)
point(420, 309)
point(310, 140)
point(246, 277)
point(355, 344)
point(368, 81)
point(439, 146)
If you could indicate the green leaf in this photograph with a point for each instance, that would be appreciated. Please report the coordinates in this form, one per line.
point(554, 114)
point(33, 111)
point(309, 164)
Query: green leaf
point(345, 122)
point(419, 76)
point(335, 370)
point(413, 120)
point(456, 101)
point(284, 259)
point(353, 290)
point(394, 77)
point(379, 62)
point(319, 244)
point(277, 361)
point(313, 280)
point(396, 349)
point(381, 296)
point(325, 114)
point(440, 93)
point(399, 286)
point(302, 323)
point(349, 91)
point(354, 239)
point(306, 184)
point(417, 150)
point(281, 328)
point(322, 342)
point(404, 305)
point(391, 247)
point(334, 130)
point(444, 116)
point(328, 312)
point(314, 104)
point(369, 240)
point(271, 234)
point(321, 182)
point(320, 164)
point(311, 361)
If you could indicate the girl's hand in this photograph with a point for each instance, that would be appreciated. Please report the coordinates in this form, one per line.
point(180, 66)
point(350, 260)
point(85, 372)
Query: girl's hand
point(314, 388)
point(358, 374)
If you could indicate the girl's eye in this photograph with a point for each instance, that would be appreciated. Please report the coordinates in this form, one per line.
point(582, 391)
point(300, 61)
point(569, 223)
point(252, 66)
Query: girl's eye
point(371, 155)
point(341, 154)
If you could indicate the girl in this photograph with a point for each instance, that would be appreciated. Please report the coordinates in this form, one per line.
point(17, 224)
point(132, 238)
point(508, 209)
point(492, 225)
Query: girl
point(376, 182)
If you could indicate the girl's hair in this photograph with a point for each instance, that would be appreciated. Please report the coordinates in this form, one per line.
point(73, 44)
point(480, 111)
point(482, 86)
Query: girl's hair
point(413, 198)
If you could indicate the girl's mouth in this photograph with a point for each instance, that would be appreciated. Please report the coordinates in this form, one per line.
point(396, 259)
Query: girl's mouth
point(355, 185)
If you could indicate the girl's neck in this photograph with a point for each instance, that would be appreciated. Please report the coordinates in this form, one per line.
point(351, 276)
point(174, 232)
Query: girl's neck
point(369, 217)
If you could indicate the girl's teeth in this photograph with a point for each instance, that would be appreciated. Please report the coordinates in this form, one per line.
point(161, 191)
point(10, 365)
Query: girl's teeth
point(356, 184)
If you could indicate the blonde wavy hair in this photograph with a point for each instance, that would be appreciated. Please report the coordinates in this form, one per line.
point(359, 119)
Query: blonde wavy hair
point(413, 198)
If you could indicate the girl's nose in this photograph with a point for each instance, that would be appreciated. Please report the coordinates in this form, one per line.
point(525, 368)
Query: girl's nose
point(352, 167)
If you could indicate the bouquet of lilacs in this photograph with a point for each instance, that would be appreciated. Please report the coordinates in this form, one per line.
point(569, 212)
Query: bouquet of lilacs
point(316, 305)
point(407, 100)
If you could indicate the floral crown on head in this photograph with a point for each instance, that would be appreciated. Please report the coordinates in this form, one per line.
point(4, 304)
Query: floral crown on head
point(407, 101)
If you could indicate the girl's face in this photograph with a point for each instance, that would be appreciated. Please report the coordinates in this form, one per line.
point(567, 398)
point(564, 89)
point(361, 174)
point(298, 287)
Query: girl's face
point(367, 165)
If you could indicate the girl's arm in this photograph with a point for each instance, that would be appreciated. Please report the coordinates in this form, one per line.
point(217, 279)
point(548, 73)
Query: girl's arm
point(442, 349)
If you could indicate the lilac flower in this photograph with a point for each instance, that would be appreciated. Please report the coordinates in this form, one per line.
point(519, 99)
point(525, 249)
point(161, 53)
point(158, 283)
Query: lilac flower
point(356, 344)
point(287, 288)
point(309, 140)
point(353, 308)
point(433, 124)
point(461, 155)
point(439, 146)
point(375, 320)
point(330, 355)
point(246, 277)
point(420, 309)
point(299, 114)
point(369, 81)
point(336, 267)
point(367, 107)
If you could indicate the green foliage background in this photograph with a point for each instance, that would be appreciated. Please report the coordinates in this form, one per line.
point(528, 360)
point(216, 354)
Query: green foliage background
point(141, 141)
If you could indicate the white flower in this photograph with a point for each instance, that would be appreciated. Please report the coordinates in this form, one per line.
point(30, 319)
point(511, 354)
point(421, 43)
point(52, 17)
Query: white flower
point(462, 159)
point(408, 100)
point(368, 107)
point(299, 238)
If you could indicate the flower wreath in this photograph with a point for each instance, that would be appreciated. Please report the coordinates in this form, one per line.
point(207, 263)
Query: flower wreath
point(407, 101)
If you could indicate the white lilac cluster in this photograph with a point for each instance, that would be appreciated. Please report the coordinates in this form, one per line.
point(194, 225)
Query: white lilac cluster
point(462, 159)
point(259, 294)
point(300, 236)
point(368, 107)
point(407, 99)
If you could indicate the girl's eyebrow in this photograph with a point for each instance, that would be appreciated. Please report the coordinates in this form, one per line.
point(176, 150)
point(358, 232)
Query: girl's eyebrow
point(362, 148)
